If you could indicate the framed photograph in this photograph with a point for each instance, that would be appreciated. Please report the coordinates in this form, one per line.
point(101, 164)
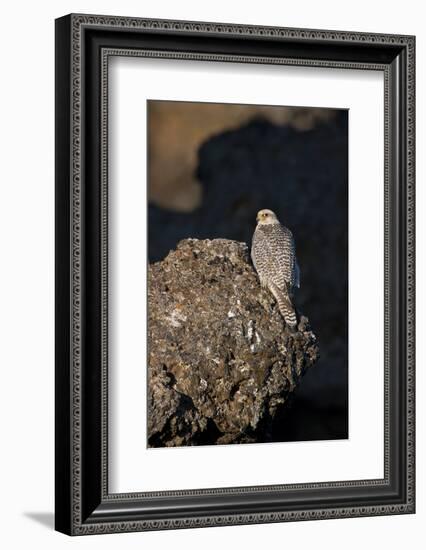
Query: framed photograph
point(234, 274)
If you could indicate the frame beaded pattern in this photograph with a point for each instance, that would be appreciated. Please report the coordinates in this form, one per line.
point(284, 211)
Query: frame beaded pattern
point(113, 52)
point(78, 23)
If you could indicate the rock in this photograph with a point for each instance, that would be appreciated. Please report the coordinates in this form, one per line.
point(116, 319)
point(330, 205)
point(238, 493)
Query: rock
point(222, 362)
point(177, 129)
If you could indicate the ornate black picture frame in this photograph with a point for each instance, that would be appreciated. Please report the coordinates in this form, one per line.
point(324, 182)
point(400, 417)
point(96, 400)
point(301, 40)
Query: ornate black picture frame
point(84, 44)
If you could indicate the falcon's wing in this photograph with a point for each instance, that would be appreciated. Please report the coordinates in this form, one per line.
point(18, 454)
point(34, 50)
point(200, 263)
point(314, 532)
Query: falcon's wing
point(296, 274)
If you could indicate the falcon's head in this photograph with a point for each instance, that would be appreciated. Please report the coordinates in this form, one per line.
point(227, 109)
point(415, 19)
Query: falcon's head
point(266, 217)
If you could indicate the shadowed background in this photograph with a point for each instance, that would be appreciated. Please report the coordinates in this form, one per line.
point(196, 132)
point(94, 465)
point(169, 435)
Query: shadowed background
point(213, 166)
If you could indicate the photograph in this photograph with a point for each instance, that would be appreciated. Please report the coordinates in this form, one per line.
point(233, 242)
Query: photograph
point(234, 267)
point(212, 237)
point(248, 273)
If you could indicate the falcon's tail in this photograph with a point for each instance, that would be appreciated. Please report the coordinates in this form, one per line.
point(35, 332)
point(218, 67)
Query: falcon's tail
point(285, 306)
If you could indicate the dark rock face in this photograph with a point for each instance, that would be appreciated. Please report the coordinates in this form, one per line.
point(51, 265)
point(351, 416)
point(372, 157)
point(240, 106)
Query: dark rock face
point(222, 362)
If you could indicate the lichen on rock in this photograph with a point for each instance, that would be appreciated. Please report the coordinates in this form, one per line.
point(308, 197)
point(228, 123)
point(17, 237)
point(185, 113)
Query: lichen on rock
point(222, 361)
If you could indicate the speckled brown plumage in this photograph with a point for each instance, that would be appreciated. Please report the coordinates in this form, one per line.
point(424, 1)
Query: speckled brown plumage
point(273, 254)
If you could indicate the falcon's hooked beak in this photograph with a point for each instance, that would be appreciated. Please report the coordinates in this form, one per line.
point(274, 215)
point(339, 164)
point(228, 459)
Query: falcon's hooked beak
point(261, 216)
point(266, 217)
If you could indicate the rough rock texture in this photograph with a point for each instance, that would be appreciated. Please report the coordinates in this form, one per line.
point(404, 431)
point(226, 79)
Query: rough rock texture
point(222, 362)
